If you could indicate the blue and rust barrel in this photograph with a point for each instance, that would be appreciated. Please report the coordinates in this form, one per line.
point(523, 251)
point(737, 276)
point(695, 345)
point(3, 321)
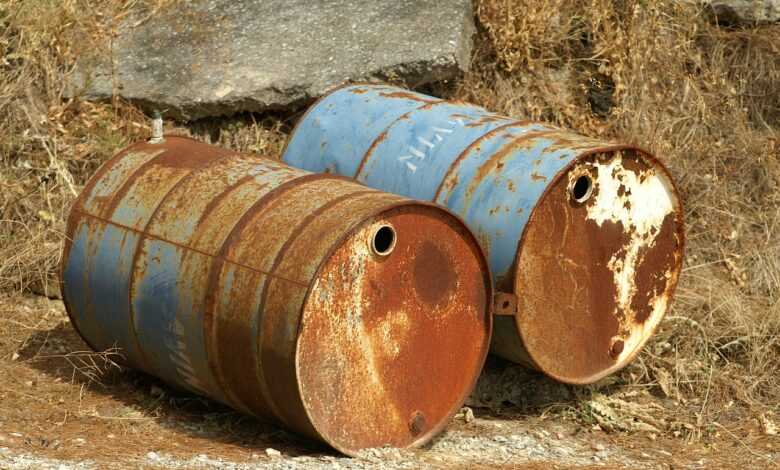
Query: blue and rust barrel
point(584, 238)
point(349, 315)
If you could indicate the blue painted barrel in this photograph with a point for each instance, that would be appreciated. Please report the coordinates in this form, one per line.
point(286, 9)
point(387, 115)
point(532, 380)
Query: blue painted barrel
point(584, 238)
point(353, 316)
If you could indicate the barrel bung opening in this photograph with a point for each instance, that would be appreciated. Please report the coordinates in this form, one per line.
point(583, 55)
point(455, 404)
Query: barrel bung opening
point(383, 241)
point(582, 189)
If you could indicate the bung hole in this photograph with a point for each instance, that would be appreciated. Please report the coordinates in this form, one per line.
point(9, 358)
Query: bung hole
point(384, 240)
point(582, 188)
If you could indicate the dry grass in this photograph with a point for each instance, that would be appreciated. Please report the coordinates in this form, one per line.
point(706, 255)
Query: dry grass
point(654, 72)
point(49, 145)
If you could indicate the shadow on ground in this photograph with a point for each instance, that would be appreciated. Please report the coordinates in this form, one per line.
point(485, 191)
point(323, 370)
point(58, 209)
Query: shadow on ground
point(504, 391)
point(60, 353)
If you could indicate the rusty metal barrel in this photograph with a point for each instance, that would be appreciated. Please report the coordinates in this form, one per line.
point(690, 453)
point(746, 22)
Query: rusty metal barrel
point(584, 238)
point(349, 315)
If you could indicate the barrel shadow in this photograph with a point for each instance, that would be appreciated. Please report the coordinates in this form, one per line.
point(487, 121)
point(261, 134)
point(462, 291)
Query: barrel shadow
point(503, 391)
point(60, 353)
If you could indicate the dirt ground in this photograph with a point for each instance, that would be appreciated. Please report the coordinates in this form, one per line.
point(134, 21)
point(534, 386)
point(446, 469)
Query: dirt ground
point(62, 406)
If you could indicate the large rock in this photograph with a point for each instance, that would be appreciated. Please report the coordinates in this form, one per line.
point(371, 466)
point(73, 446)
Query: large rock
point(218, 57)
point(744, 12)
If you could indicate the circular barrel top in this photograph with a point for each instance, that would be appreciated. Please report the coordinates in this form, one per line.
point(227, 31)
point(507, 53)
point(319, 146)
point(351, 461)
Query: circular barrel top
point(597, 264)
point(395, 330)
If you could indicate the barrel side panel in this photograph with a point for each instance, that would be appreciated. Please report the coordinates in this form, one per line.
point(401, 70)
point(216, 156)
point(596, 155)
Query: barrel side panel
point(496, 195)
point(336, 132)
point(95, 280)
point(414, 154)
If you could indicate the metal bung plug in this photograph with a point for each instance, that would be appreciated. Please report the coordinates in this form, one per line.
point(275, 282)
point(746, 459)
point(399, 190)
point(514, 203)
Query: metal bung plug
point(157, 128)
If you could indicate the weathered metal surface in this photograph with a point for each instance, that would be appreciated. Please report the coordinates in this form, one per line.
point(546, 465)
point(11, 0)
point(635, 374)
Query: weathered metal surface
point(353, 316)
point(586, 267)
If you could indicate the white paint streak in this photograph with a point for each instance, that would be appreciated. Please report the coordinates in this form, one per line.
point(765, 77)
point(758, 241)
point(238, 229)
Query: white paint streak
point(416, 152)
point(425, 142)
point(640, 202)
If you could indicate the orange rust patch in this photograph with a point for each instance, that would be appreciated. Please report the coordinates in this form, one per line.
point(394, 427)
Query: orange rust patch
point(407, 95)
point(403, 336)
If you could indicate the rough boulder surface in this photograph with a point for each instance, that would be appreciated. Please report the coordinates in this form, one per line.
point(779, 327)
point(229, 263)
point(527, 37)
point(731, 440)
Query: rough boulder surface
point(745, 12)
point(218, 57)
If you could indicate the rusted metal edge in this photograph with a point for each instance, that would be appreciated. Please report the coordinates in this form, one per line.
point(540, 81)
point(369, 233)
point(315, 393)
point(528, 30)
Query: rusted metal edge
point(680, 232)
point(434, 431)
point(456, 163)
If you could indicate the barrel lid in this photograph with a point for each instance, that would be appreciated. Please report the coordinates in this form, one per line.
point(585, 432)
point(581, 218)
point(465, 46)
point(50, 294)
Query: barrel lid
point(395, 330)
point(598, 263)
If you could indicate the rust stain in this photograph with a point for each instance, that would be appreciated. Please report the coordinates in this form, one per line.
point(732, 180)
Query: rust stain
point(408, 96)
point(450, 179)
point(618, 268)
point(537, 177)
point(370, 320)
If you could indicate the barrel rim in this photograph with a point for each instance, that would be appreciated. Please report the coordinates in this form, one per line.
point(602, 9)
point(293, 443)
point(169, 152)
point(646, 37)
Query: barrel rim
point(680, 216)
point(489, 291)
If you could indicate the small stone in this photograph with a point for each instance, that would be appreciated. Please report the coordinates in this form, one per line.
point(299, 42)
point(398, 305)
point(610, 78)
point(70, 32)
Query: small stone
point(598, 447)
point(468, 414)
point(111, 436)
point(30, 383)
point(272, 452)
point(14, 356)
point(254, 456)
point(559, 435)
point(156, 391)
point(79, 441)
point(152, 456)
